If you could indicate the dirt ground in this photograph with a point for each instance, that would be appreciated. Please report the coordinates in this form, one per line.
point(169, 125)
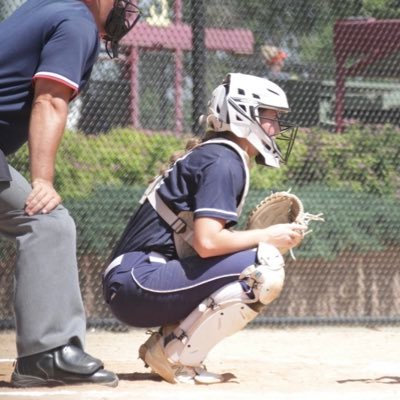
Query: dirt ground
point(302, 363)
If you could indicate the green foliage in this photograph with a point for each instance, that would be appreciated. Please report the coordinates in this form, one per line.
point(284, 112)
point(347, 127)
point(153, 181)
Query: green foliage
point(303, 27)
point(354, 221)
point(101, 217)
point(264, 177)
point(120, 157)
point(363, 159)
point(318, 46)
point(351, 177)
point(388, 9)
point(316, 41)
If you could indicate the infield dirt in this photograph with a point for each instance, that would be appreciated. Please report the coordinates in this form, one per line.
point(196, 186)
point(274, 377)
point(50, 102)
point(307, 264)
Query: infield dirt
point(302, 363)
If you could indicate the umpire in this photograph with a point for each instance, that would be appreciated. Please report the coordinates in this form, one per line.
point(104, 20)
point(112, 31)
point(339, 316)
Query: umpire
point(47, 53)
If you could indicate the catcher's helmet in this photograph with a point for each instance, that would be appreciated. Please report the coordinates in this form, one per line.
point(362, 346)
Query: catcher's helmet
point(235, 107)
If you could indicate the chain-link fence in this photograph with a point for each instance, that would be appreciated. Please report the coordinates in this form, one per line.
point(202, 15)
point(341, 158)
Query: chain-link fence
point(338, 63)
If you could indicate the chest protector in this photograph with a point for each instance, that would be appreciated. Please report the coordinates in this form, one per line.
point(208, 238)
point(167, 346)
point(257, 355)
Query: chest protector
point(182, 223)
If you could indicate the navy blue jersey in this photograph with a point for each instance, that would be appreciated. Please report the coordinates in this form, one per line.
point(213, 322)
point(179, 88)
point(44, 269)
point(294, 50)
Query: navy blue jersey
point(47, 39)
point(210, 181)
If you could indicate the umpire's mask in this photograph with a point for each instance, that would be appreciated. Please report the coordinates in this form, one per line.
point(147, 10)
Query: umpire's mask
point(121, 19)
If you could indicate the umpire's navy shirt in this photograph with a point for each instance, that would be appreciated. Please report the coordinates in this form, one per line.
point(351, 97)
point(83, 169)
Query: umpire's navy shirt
point(43, 39)
point(209, 181)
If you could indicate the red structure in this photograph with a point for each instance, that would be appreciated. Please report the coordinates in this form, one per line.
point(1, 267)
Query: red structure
point(363, 47)
point(177, 37)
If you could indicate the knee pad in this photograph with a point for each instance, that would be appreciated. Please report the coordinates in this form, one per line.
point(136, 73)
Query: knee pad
point(214, 322)
point(267, 277)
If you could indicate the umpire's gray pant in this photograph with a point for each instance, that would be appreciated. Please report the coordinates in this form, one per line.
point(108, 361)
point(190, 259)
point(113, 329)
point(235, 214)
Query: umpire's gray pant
point(47, 300)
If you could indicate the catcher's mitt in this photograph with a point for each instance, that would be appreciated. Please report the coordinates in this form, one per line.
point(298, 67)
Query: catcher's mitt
point(280, 208)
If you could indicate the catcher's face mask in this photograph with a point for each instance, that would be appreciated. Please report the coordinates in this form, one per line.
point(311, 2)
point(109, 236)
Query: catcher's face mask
point(282, 142)
point(121, 19)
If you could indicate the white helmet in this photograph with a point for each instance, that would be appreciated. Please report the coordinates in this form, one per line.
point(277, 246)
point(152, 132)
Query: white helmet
point(234, 107)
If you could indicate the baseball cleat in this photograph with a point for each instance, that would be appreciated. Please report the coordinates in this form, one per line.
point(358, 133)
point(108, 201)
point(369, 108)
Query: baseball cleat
point(153, 355)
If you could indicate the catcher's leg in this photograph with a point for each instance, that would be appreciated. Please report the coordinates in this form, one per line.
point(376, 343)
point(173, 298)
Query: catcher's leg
point(267, 277)
point(178, 356)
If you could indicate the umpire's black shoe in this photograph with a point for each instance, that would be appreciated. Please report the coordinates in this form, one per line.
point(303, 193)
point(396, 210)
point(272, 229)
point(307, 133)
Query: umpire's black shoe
point(65, 365)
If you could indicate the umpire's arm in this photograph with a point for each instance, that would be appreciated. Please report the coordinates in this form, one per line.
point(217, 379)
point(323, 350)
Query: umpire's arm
point(47, 124)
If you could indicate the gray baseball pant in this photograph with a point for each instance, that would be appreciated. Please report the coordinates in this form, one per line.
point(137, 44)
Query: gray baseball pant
point(47, 300)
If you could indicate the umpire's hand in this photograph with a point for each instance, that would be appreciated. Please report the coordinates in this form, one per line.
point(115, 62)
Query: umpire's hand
point(42, 199)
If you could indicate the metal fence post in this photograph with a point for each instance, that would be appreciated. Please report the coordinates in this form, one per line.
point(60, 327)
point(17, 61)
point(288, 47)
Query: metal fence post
point(198, 63)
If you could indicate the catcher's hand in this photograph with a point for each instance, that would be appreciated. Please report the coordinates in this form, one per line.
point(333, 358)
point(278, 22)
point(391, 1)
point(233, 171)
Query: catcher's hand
point(281, 208)
point(284, 236)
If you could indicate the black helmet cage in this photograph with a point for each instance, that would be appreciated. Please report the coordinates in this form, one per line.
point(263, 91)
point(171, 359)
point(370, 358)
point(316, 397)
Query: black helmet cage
point(284, 141)
point(122, 18)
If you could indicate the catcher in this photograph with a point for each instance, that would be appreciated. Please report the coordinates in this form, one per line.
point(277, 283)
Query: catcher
point(179, 265)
